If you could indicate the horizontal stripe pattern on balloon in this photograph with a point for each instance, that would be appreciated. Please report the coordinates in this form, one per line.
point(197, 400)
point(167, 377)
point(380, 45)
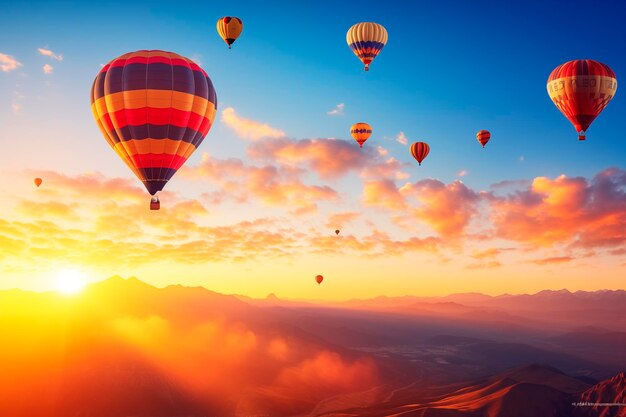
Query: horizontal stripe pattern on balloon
point(361, 132)
point(366, 40)
point(483, 137)
point(154, 108)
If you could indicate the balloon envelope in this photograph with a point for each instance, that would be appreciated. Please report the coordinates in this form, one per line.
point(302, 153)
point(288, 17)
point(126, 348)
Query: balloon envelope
point(581, 89)
point(366, 40)
point(154, 108)
point(420, 150)
point(37, 181)
point(483, 137)
point(361, 132)
point(319, 279)
point(337, 231)
point(229, 28)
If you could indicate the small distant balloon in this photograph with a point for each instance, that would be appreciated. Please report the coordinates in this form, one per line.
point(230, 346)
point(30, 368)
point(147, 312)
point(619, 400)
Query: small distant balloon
point(319, 279)
point(581, 89)
point(229, 28)
point(483, 137)
point(337, 231)
point(366, 40)
point(361, 132)
point(37, 182)
point(420, 150)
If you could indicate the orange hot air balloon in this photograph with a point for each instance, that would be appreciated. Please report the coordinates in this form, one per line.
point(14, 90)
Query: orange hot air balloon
point(420, 150)
point(337, 231)
point(361, 132)
point(319, 279)
point(581, 89)
point(229, 29)
point(154, 108)
point(37, 182)
point(483, 137)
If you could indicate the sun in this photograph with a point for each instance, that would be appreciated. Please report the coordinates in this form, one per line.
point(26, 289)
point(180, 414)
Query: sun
point(70, 281)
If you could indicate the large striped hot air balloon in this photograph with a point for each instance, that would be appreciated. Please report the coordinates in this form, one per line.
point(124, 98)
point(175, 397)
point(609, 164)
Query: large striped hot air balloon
point(483, 137)
point(229, 28)
point(581, 89)
point(361, 132)
point(154, 108)
point(366, 40)
point(420, 150)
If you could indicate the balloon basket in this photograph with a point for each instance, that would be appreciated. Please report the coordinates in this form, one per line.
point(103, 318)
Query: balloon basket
point(155, 204)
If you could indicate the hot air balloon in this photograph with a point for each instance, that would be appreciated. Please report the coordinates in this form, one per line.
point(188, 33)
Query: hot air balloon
point(154, 108)
point(581, 89)
point(366, 40)
point(360, 132)
point(37, 182)
point(229, 28)
point(483, 137)
point(319, 279)
point(420, 150)
point(337, 231)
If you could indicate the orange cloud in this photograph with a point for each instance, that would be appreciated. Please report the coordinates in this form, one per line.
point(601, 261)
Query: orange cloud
point(565, 211)
point(341, 219)
point(383, 194)
point(329, 372)
point(447, 208)
point(272, 186)
point(247, 128)
point(553, 260)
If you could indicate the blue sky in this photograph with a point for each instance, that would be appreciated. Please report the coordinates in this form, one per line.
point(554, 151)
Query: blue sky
point(447, 71)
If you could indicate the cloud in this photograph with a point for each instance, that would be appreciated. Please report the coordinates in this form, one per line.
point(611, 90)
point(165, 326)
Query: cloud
point(383, 194)
point(8, 63)
point(329, 158)
point(49, 53)
point(48, 69)
point(447, 208)
point(462, 173)
point(247, 128)
point(337, 111)
point(339, 220)
point(329, 372)
point(401, 138)
point(485, 265)
point(270, 185)
point(565, 210)
point(487, 253)
point(553, 260)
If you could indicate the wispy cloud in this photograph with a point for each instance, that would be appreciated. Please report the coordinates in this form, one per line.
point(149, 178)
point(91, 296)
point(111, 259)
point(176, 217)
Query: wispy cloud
point(8, 63)
point(337, 111)
point(247, 128)
point(401, 138)
point(462, 173)
point(49, 53)
point(48, 69)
